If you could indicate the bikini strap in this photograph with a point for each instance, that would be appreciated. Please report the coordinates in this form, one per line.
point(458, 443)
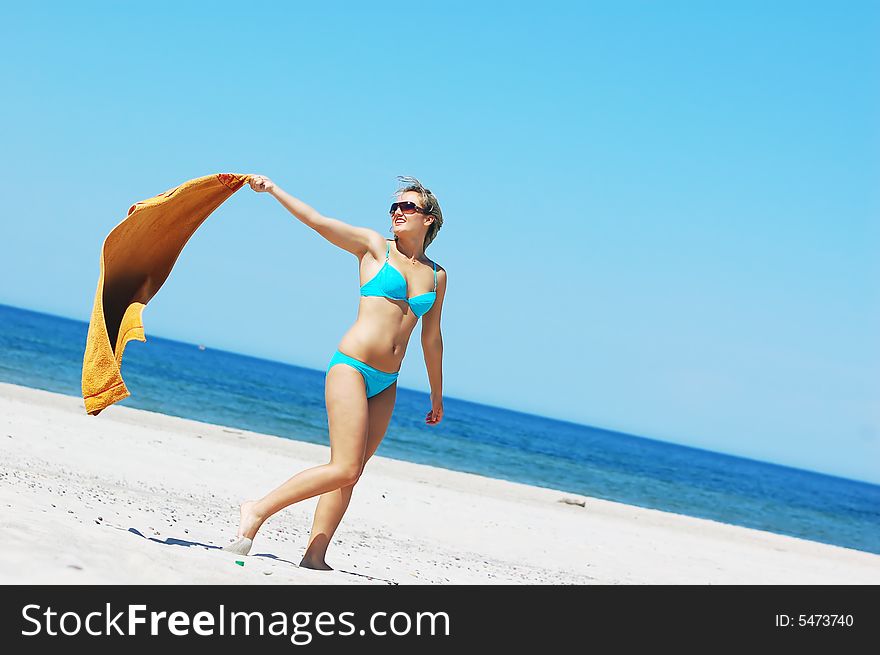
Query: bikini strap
point(435, 276)
point(387, 249)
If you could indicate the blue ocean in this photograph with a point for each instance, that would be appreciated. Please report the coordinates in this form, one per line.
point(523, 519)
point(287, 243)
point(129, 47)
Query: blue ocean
point(45, 352)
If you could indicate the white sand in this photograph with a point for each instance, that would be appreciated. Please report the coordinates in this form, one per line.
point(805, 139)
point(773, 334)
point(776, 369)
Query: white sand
point(132, 497)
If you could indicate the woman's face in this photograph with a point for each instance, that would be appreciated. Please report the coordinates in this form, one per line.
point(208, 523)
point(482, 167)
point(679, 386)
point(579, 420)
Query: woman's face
point(414, 223)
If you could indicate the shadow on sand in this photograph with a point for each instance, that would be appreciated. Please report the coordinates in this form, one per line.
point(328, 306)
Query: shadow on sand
point(171, 541)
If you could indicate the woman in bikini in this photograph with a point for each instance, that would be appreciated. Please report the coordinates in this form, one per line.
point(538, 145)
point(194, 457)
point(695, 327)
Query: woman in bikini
point(399, 286)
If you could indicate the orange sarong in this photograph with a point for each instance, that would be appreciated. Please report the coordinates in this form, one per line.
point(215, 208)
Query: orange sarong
point(136, 259)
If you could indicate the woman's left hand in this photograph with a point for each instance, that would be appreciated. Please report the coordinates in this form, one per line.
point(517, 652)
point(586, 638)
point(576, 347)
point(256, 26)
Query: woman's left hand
point(436, 413)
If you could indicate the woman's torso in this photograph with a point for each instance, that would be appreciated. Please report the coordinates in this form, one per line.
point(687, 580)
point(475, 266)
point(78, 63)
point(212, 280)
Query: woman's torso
point(383, 326)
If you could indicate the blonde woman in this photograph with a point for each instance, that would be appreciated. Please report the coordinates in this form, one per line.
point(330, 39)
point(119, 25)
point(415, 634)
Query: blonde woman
point(399, 286)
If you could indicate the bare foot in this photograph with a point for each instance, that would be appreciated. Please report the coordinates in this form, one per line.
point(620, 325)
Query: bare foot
point(318, 566)
point(250, 521)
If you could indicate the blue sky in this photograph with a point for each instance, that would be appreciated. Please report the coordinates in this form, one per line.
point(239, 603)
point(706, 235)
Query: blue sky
point(660, 217)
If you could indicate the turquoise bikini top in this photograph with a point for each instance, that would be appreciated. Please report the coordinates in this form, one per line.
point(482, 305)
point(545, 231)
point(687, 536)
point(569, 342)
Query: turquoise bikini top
point(390, 283)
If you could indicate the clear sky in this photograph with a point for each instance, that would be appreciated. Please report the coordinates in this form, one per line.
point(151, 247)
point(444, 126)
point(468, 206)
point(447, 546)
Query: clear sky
point(660, 217)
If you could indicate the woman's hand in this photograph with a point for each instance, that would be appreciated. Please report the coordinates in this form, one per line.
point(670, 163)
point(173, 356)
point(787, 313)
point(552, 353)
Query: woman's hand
point(260, 183)
point(436, 413)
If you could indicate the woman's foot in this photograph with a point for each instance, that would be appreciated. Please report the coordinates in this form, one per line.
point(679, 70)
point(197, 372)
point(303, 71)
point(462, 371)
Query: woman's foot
point(249, 521)
point(315, 564)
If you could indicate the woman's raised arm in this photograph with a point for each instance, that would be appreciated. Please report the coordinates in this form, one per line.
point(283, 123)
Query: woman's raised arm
point(354, 239)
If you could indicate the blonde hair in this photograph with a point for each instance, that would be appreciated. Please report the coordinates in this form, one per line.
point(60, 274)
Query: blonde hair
point(428, 202)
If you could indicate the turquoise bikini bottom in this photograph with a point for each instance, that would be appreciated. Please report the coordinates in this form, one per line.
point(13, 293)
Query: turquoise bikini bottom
point(375, 380)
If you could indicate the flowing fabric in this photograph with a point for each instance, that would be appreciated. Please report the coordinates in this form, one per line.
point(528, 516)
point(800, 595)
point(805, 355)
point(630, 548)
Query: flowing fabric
point(136, 259)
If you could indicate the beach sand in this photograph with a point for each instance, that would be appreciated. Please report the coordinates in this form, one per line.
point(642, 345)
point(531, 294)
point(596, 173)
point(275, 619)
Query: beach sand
point(136, 497)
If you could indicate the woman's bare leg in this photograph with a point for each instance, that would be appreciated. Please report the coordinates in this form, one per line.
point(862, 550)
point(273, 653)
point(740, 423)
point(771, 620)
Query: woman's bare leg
point(333, 504)
point(347, 418)
point(328, 515)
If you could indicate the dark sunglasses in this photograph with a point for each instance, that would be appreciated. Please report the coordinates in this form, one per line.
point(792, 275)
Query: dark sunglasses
point(406, 208)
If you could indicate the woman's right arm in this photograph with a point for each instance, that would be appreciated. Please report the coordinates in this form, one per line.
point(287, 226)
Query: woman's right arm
point(354, 239)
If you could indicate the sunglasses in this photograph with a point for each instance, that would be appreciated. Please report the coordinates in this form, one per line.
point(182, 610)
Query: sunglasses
point(406, 208)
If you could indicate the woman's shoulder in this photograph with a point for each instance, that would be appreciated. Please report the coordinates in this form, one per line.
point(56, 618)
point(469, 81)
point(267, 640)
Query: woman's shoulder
point(433, 263)
point(441, 274)
point(376, 244)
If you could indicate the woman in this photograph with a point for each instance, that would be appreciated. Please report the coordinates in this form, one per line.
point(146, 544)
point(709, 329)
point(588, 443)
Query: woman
point(399, 285)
